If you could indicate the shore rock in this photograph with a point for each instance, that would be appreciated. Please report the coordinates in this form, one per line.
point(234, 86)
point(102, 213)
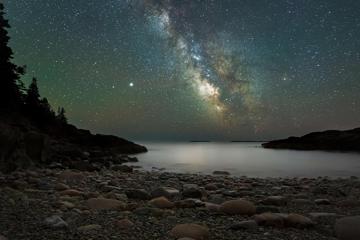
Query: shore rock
point(245, 225)
point(137, 194)
point(161, 202)
point(72, 193)
point(167, 192)
point(298, 221)
point(275, 200)
point(55, 222)
point(348, 228)
point(270, 219)
point(104, 204)
point(238, 207)
point(124, 224)
point(211, 187)
point(190, 230)
point(189, 203)
point(192, 193)
point(61, 187)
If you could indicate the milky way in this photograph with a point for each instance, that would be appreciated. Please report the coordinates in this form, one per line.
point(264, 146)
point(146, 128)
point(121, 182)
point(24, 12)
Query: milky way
point(212, 66)
point(180, 70)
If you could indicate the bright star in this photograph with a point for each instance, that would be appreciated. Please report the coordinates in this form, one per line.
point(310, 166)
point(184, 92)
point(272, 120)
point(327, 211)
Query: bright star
point(131, 84)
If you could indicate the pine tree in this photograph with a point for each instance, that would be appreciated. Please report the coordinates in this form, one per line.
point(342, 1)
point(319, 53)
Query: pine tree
point(47, 114)
point(61, 115)
point(32, 99)
point(10, 94)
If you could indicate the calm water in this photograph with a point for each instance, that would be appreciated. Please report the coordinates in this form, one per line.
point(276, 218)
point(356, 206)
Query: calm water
point(247, 159)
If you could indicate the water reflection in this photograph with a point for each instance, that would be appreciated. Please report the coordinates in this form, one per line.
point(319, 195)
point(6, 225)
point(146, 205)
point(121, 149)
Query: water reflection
point(248, 159)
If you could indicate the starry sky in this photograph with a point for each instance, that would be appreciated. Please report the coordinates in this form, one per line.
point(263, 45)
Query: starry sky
point(194, 70)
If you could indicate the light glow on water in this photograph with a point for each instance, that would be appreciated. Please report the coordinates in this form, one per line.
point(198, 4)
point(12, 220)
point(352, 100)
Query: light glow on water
point(248, 159)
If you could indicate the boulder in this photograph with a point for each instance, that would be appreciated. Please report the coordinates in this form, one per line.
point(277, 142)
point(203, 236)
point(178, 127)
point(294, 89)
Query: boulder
point(212, 207)
point(238, 207)
point(61, 187)
point(189, 203)
point(72, 192)
point(190, 230)
point(192, 193)
point(245, 225)
point(140, 194)
point(104, 204)
point(211, 187)
point(55, 221)
point(275, 200)
point(124, 224)
point(190, 185)
point(270, 219)
point(298, 221)
point(161, 202)
point(348, 228)
point(167, 192)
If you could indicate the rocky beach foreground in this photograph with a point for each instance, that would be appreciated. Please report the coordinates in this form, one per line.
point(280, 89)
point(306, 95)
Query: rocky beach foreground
point(123, 203)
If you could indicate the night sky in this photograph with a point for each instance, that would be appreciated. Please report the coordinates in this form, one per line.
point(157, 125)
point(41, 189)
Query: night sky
point(181, 70)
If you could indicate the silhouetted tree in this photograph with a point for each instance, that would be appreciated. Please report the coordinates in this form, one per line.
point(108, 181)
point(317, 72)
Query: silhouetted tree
point(32, 99)
point(47, 114)
point(45, 104)
point(10, 94)
point(61, 115)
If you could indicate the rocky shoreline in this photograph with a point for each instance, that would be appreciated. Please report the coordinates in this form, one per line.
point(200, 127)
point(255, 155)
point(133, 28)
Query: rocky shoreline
point(330, 140)
point(123, 203)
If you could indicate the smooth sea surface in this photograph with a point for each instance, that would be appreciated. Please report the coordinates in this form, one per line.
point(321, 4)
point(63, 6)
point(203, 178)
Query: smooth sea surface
point(246, 159)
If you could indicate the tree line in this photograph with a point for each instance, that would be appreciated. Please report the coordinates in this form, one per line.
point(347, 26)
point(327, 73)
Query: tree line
point(14, 96)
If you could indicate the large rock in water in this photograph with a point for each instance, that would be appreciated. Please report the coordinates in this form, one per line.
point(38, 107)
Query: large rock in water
point(348, 228)
point(348, 140)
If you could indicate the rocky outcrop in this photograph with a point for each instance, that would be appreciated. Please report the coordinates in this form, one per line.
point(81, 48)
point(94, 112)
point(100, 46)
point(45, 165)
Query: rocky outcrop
point(22, 144)
point(348, 140)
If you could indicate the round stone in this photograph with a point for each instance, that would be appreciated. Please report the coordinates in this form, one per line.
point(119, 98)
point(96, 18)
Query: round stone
point(238, 207)
point(190, 230)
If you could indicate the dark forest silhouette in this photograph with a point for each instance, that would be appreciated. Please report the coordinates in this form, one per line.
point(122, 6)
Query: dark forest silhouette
point(32, 133)
point(14, 97)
